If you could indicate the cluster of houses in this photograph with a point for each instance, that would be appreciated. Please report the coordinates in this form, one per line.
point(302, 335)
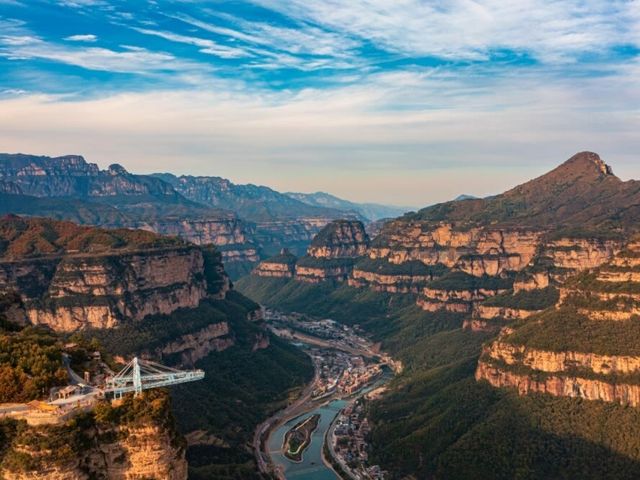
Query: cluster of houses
point(350, 442)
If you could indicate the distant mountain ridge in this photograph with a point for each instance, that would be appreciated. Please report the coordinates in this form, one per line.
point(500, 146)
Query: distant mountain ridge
point(370, 211)
point(255, 203)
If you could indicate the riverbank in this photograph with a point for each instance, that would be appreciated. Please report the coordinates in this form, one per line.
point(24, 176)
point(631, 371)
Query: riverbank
point(332, 367)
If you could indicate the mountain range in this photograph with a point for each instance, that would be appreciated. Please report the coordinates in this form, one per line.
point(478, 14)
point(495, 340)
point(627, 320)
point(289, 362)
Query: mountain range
point(247, 222)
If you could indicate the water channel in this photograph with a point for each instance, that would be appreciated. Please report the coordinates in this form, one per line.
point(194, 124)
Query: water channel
point(312, 467)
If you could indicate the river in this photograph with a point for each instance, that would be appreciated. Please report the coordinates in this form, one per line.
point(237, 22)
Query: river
point(312, 467)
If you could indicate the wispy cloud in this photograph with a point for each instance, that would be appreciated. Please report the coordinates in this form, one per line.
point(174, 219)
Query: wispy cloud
point(82, 38)
point(463, 29)
point(136, 60)
point(206, 45)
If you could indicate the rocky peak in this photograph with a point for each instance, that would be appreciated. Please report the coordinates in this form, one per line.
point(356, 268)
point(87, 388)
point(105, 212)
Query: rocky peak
point(586, 163)
point(117, 169)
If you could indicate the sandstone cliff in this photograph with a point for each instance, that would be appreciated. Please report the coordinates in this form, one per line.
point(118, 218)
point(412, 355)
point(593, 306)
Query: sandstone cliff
point(340, 239)
point(109, 445)
point(583, 348)
point(71, 289)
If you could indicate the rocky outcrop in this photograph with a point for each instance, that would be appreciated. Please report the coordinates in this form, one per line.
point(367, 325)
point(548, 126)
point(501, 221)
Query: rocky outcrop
point(197, 345)
point(144, 452)
point(340, 239)
point(79, 291)
point(73, 289)
point(477, 251)
point(317, 272)
point(560, 386)
point(401, 283)
point(486, 312)
point(280, 266)
point(531, 281)
point(233, 236)
point(562, 361)
point(579, 253)
point(119, 453)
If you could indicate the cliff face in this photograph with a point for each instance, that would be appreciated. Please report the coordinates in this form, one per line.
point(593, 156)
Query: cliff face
point(232, 235)
point(197, 345)
point(477, 251)
point(393, 283)
point(340, 239)
point(103, 291)
point(281, 266)
point(71, 289)
point(596, 361)
point(115, 451)
point(331, 255)
point(561, 386)
point(581, 254)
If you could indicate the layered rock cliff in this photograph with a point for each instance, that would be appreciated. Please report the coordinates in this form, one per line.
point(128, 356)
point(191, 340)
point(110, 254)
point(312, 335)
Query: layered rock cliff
point(331, 255)
point(585, 347)
point(115, 443)
point(340, 239)
point(67, 287)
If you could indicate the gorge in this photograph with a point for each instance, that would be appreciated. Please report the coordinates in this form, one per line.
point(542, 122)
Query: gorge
point(514, 319)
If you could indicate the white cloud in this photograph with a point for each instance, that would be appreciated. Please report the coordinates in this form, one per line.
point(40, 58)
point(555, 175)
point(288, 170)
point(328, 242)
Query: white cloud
point(132, 60)
point(206, 45)
point(550, 30)
point(302, 40)
point(82, 38)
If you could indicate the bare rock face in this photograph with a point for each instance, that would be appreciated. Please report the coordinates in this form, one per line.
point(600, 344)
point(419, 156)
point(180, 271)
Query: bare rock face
point(280, 266)
point(580, 254)
point(90, 280)
point(561, 386)
point(340, 239)
point(317, 270)
point(477, 251)
point(198, 345)
point(78, 291)
point(135, 452)
point(532, 281)
point(145, 452)
point(392, 283)
point(230, 234)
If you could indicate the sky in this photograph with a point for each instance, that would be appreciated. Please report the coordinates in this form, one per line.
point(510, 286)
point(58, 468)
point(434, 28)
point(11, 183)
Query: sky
point(406, 102)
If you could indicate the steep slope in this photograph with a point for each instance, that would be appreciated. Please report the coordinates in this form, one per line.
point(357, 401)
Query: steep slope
point(585, 347)
point(330, 256)
point(369, 211)
point(71, 277)
point(582, 192)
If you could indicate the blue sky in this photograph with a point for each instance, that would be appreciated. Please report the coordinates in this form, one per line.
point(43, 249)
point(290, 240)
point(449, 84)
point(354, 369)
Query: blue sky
point(404, 101)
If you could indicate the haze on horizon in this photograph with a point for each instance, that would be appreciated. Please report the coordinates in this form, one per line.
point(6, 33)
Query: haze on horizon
point(408, 102)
